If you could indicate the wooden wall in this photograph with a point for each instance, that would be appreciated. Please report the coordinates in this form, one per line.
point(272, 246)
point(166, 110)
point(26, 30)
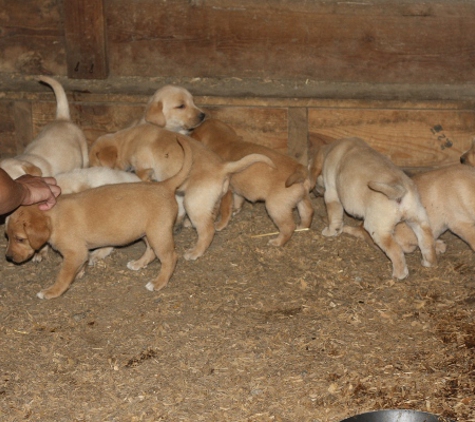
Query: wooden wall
point(400, 74)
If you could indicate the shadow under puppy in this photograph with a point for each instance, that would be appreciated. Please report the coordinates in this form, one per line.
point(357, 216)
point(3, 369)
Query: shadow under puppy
point(111, 215)
point(153, 154)
point(283, 187)
point(448, 195)
point(367, 185)
point(60, 146)
point(468, 157)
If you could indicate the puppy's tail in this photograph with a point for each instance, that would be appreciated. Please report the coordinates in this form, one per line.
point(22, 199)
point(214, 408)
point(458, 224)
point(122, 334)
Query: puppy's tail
point(178, 179)
point(62, 107)
point(240, 165)
point(394, 191)
point(300, 175)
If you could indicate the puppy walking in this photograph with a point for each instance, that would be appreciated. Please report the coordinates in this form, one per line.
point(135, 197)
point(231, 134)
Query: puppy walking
point(60, 146)
point(367, 185)
point(111, 215)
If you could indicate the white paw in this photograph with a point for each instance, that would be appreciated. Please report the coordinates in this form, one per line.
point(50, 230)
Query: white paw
point(150, 286)
point(40, 295)
point(440, 246)
point(329, 232)
point(134, 266)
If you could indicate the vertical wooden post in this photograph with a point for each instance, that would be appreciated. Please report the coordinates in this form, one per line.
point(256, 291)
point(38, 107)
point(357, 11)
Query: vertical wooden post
point(298, 134)
point(84, 27)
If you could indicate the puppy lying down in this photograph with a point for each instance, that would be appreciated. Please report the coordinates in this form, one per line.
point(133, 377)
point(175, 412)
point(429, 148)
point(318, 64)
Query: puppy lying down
point(367, 185)
point(448, 195)
point(111, 215)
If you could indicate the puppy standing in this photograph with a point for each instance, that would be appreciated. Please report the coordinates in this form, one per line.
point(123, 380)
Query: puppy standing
point(111, 215)
point(283, 188)
point(152, 153)
point(448, 195)
point(60, 146)
point(173, 108)
point(367, 185)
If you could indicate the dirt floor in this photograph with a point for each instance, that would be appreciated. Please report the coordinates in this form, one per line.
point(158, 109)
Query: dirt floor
point(314, 331)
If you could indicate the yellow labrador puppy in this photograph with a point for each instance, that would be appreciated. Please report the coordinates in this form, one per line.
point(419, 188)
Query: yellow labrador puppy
point(111, 215)
point(367, 185)
point(61, 145)
point(448, 195)
point(172, 107)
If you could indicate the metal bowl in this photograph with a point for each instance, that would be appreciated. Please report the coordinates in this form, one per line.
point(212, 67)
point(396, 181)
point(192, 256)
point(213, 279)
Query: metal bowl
point(397, 415)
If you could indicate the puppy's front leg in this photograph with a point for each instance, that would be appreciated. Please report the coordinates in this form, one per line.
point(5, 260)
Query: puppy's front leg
point(73, 262)
point(334, 213)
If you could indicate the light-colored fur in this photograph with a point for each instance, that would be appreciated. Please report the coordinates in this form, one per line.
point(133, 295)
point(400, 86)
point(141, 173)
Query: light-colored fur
point(468, 157)
point(81, 179)
point(111, 215)
point(60, 146)
point(367, 185)
point(283, 188)
point(448, 195)
point(172, 107)
point(153, 154)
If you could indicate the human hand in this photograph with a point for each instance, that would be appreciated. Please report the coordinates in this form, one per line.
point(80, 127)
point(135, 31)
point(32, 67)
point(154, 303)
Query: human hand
point(39, 190)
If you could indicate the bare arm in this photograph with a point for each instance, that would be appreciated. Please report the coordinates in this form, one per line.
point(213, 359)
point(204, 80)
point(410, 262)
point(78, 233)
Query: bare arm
point(27, 190)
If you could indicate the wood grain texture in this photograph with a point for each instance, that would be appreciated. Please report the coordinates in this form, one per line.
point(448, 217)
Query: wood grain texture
point(411, 138)
point(84, 27)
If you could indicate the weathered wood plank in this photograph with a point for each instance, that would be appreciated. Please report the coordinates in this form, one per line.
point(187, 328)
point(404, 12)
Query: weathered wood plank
point(298, 134)
point(23, 116)
point(411, 138)
point(7, 130)
point(84, 27)
point(376, 42)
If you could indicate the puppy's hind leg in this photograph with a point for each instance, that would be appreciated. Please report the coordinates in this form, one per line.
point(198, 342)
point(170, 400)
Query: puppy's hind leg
point(161, 241)
point(306, 212)
point(425, 240)
point(225, 211)
point(464, 230)
point(73, 263)
point(334, 213)
point(386, 241)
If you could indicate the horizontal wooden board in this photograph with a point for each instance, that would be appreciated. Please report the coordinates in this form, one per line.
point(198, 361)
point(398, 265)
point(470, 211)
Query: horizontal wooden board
point(411, 138)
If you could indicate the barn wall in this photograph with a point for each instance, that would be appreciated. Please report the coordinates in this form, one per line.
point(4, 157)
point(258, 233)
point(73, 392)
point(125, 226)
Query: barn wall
point(400, 74)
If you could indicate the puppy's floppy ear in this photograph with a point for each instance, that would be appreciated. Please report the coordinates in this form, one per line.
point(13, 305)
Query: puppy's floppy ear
point(154, 114)
point(106, 157)
point(145, 174)
point(38, 229)
point(31, 169)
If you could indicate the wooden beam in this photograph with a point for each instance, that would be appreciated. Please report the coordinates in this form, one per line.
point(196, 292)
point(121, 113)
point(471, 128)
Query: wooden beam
point(84, 27)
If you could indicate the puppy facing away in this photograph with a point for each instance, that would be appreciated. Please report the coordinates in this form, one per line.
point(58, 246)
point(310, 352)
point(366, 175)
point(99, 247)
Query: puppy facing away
point(367, 185)
point(468, 157)
point(172, 107)
point(111, 215)
point(60, 146)
point(152, 152)
point(448, 195)
point(282, 188)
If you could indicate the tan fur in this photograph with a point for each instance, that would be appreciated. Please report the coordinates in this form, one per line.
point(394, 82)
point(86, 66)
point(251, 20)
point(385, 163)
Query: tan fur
point(61, 146)
point(151, 151)
point(172, 107)
point(367, 185)
point(111, 215)
point(468, 157)
point(448, 195)
point(283, 188)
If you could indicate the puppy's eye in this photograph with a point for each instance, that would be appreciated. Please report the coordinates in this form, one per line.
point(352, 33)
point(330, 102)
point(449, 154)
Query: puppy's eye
point(180, 106)
point(20, 239)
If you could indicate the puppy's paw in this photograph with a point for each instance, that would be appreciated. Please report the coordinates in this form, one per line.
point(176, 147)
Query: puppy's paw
point(150, 286)
point(191, 255)
point(46, 294)
point(187, 223)
point(401, 275)
point(440, 246)
point(135, 265)
point(37, 257)
point(330, 232)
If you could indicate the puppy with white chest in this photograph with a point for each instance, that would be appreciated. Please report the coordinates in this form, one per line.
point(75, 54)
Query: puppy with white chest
point(367, 185)
point(448, 195)
point(172, 107)
point(153, 154)
point(111, 215)
point(282, 188)
point(60, 146)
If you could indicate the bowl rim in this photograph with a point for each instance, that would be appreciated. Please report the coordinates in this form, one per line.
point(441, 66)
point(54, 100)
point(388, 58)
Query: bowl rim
point(420, 412)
